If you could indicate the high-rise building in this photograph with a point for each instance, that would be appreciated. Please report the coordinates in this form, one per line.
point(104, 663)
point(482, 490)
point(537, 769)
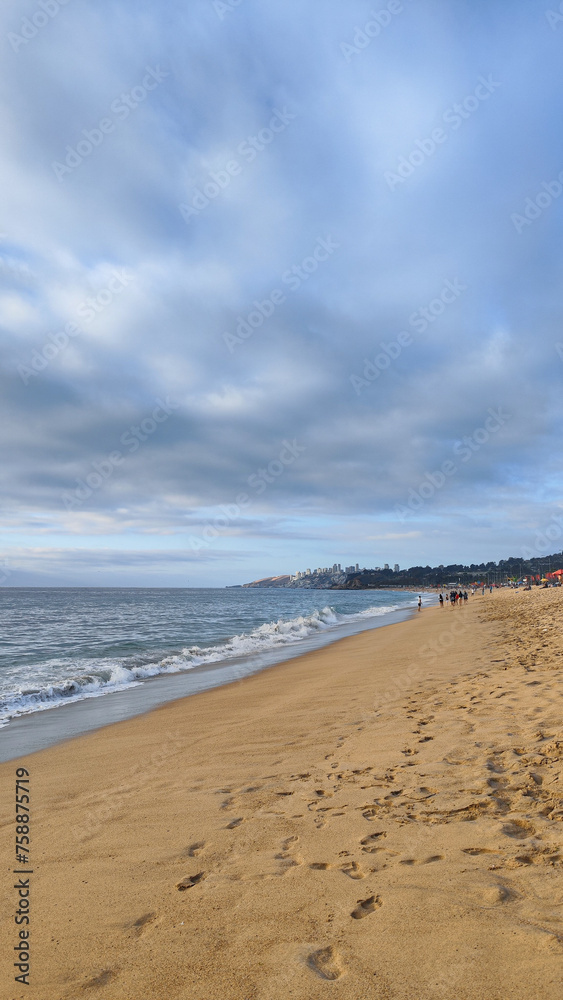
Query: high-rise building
point(385, 565)
point(357, 567)
point(396, 568)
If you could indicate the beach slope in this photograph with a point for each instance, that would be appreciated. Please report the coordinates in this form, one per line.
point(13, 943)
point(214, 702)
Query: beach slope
point(381, 818)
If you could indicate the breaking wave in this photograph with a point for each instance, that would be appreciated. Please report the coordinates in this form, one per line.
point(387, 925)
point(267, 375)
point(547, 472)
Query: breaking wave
point(63, 681)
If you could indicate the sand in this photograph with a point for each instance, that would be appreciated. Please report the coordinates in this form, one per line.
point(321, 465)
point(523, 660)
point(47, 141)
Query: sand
point(372, 820)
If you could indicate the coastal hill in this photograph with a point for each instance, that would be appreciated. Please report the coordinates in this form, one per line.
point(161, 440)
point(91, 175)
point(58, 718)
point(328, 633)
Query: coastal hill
point(514, 568)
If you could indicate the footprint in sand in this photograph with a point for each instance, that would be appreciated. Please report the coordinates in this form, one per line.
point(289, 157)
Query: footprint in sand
point(139, 925)
point(365, 907)
point(518, 829)
point(497, 784)
point(190, 880)
point(422, 861)
point(234, 823)
point(368, 841)
point(492, 765)
point(326, 963)
point(288, 842)
point(102, 979)
point(287, 862)
point(495, 894)
point(475, 851)
point(285, 855)
point(352, 870)
point(320, 866)
point(195, 849)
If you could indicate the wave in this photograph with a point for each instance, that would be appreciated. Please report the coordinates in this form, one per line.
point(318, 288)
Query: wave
point(79, 680)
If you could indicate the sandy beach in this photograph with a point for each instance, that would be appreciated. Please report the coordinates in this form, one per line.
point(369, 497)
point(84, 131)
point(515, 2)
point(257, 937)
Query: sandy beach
point(380, 818)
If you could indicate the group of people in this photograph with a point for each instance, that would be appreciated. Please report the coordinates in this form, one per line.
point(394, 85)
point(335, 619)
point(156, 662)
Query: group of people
point(453, 597)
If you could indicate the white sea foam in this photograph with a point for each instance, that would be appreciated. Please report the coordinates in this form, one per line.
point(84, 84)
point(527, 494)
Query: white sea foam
point(76, 680)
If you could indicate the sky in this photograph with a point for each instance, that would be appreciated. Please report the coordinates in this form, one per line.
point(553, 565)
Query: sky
point(280, 286)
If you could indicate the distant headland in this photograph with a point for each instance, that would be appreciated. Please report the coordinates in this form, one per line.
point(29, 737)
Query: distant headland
point(356, 578)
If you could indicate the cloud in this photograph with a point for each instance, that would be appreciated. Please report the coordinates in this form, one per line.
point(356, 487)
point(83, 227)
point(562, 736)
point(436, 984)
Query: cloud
point(220, 85)
point(392, 535)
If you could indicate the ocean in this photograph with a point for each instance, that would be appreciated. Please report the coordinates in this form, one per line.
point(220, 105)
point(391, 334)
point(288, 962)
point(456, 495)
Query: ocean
point(62, 646)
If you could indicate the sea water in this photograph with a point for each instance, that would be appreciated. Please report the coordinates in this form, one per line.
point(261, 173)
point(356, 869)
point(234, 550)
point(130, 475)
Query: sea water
point(61, 646)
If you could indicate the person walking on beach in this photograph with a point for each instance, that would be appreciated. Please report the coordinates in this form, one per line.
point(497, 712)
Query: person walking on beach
point(419, 603)
point(441, 599)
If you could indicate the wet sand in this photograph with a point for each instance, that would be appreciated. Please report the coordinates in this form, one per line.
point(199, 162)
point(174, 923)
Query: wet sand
point(380, 818)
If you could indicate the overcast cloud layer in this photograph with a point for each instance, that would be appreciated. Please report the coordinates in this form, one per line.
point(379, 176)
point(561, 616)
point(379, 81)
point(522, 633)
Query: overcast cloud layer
point(261, 236)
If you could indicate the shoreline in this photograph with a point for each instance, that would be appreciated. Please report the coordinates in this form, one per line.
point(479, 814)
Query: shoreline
point(376, 818)
point(34, 731)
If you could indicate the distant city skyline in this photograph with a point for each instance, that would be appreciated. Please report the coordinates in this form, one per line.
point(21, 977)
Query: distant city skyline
point(336, 568)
